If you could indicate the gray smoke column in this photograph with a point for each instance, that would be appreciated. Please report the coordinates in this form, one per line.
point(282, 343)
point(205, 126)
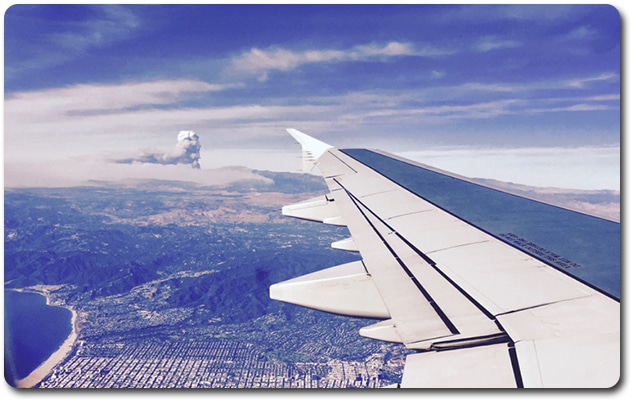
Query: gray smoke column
point(187, 151)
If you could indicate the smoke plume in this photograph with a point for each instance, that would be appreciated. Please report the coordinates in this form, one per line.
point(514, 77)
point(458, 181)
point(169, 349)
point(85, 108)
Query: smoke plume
point(186, 151)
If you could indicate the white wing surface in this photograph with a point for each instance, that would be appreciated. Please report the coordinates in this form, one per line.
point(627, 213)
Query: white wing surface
point(478, 311)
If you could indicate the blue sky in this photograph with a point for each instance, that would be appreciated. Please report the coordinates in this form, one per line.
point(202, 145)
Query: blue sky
point(85, 84)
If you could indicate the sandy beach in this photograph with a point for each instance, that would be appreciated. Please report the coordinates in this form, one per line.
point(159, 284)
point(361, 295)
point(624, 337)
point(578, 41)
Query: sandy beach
point(45, 368)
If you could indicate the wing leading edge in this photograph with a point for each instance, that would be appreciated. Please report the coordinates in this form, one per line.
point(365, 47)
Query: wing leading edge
point(477, 311)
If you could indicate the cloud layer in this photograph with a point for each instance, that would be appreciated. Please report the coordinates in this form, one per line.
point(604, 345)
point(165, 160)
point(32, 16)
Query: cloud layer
point(582, 168)
point(91, 172)
point(88, 82)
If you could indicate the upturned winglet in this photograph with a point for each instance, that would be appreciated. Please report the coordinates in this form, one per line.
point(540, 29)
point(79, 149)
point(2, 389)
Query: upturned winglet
point(311, 148)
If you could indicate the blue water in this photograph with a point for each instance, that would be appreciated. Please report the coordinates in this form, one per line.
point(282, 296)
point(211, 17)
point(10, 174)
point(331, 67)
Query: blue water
point(582, 246)
point(32, 332)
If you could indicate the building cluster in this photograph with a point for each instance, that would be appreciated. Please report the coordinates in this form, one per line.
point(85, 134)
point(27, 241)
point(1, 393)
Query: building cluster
point(197, 364)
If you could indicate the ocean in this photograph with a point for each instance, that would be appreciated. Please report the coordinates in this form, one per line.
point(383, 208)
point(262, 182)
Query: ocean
point(33, 330)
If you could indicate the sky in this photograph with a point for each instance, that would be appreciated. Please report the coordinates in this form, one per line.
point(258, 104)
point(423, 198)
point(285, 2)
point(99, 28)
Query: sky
point(528, 94)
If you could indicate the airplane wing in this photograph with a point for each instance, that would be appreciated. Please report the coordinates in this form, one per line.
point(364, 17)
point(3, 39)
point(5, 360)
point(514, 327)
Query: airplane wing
point(480, 299)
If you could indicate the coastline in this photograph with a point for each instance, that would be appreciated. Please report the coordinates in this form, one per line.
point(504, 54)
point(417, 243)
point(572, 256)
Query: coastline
point(56, 357)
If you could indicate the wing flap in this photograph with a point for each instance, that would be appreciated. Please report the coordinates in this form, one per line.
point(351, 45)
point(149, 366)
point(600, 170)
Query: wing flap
point(581, 361)
point(575, 343)
point(478, 367)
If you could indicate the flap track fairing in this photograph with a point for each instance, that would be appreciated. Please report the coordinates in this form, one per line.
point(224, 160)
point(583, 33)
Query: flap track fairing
point(321, 209)
point(345, 289)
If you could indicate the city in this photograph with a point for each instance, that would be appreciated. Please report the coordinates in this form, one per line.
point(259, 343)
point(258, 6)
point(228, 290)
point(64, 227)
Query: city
point(170, 288)
point(209, 364)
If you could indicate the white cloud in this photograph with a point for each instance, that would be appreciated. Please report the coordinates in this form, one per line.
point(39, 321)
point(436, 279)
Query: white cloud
point(489, 43)
point(575, 168)
point(435, 74)
point(96, 98)
point(581, 33)
point(83, 172)
point(431, 114)
point(106, 24)
point(521, 12)
point(112, 23)
point(582, 82)
point(260, 62)
point(389, 50)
